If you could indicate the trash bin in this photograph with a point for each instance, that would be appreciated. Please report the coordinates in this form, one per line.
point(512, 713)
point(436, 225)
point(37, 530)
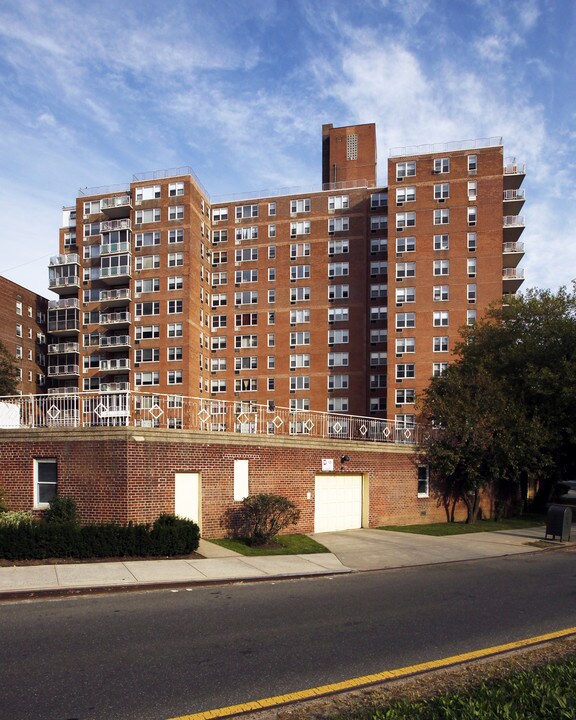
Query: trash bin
point(558, 522)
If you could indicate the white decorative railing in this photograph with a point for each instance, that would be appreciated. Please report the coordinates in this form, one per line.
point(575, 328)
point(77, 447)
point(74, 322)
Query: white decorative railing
point(147, 410)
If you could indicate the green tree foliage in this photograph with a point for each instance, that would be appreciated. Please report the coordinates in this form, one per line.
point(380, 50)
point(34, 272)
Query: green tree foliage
point(506, 406)
point(8, 373)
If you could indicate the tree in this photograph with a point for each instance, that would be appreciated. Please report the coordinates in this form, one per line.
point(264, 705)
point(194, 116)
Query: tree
point(263, 516)
point(8, 372)
point(505, 408)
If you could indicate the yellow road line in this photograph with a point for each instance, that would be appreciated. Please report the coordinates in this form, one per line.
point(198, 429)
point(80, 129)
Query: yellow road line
point(354, 683)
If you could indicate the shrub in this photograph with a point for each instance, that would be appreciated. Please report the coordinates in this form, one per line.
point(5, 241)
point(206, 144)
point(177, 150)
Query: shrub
point(265, 515)
point(61, 510)
point(13, 517)
point(3, 506)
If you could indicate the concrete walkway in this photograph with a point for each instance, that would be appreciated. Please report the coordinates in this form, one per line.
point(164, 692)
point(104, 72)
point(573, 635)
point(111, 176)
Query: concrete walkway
point(350, 551)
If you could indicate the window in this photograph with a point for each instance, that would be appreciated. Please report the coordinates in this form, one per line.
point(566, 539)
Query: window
point(174, 377)
point(405, 169)
point(441, 242)
point(405, 294)
point(378, 267)
point(299, 250)
point(45, 481)
point(405, 345)
point(442, 217)
point(472, 215)
point(243, 319)
point(337, 315)
point(378, 200)
point(148, 285)
point(250, 232)
point(299, 338)
point(439, 368)
point(338, 292)
point(246, 254)
point(299, 316)
point(299, 404)
point(175, 306)
point(271, 274)
point(245, 341)
point(18, 308)
point(148, 216)
point(338, 404)
point(441, 293)
point(339, 202)
point(271, 362)
point(176, 189)
point(471, 239)
point(441, 267)
point(472, 190)
point(441, 191)
point(471, 267)
point(378, 245)
point(405, 396)
point(300, 382)
point(338, 224)
point(377, 382)
point(147, 262)
point(405, 194)
point(299, 294)
point(219, 321)
point(19, 352)
point(175, 282)
point(378, 358)
point(146, 332)
point(175, 259)
point(246, 363)
point(175, 353)
point(271, 252)
point(340, 269)
point(442, 165)
point(440, 318)
point(338, 382)
point(379, 290)
point(471, 293)
point(405, 371)
point(378, 222)
point(440, 344)
point(146, 355)
point(176, 236)
point(246, 211)
point(377, 404)
point(298, 206)
point(271, 231)
point(404, 220)
point(147, 308)
point(272, 208)
point(405, 320)
point(405, 269)
point(470, 317)
point(220, 257)
point(338, 247)
point(378, 335)
point(146, 378)
point(18, 330)
point(219, 214)
point(246, 297)
point(472, 163)
point(300, 360)
point(423, 481)
point(338, 359)
point(271, 339)
point(219, 236)
point(175, 330)
point(299, 272)
point(338, 337)
point(147, 239)
point(150, 192)
point(245, 276)
point(271, 296)
point(218, 386)
point(378, 313)
point(218, 343)
point(407, 244)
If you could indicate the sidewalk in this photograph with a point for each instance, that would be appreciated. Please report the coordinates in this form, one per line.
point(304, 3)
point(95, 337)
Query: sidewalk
point(351, 551)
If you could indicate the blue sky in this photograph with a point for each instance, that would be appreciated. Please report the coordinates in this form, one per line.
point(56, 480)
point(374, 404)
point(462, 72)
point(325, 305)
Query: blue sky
point(92, 93)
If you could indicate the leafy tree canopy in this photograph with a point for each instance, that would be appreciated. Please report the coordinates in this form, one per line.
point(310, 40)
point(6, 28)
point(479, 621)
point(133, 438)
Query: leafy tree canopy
point(8, 373)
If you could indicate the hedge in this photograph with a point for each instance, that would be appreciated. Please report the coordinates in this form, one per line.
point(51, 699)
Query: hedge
point(167, 536)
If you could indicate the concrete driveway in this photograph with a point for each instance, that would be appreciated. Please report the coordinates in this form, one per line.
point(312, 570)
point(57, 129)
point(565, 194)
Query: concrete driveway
point(368, 549)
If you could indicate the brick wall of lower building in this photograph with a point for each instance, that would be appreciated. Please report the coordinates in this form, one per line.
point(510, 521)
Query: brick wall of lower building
point(122, 475)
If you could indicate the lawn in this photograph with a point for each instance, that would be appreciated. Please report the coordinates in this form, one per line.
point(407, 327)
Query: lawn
point(283, 545)
point(461, 528)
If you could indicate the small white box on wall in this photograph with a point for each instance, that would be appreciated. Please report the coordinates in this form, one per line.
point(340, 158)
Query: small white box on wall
point(327, 465)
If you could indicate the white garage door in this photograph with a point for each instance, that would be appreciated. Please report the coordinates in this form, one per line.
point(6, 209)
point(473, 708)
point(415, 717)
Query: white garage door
point(338, 503)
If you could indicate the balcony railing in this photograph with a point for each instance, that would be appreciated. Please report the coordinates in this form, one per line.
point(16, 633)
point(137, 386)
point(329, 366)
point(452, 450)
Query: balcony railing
point(63, 304)
point(54, 370)
point(64, 282)
point(115, 365)
point(111, 225)
point(119, 318)
point(115, 341)
point(513, 221)
point(114, 202)
point(514, 194)
point(116, 271)
point(514, 168)
point(114, 406)
point(513, 273)
point(67, 259)
point(114, 295)
point(513, 247)
point(114, 248)
point(63, 348)
point(69, 325)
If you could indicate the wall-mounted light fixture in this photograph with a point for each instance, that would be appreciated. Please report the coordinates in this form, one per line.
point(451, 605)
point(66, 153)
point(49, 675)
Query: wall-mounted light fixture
point(345, 458)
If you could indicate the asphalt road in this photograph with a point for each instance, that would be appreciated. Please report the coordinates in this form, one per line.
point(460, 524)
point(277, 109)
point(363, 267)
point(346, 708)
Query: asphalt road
point(157, 655)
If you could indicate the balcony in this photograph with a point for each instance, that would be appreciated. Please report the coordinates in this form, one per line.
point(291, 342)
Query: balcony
point(64, 390)
point(114, 387)
point(115, 297)
point(115, 365)
point(116, 207)
point(65, 304)
point(513, 252)
point(114, 248)
point(114, 342)
point(63, 348)
point(63, 370)
point(514, 174)
point(64, 273)
point(113, 225)
point(116, 274)
point(513, 226)
point(513, 201)
point(512, 278)
point(117, 318)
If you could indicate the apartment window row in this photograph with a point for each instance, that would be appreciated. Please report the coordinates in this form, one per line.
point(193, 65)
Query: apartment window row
point(440, 166)
point(148, 239)
point(142, 379)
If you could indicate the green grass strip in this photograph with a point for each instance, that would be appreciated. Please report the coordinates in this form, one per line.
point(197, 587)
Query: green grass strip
point(284, 545)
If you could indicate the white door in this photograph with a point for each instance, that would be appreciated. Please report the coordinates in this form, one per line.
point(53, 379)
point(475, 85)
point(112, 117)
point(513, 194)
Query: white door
point(338, 503)
point(187, 496)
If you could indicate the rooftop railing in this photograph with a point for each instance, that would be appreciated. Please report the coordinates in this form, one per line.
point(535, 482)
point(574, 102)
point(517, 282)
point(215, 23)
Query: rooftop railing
point(176, 412)
point(477, 144)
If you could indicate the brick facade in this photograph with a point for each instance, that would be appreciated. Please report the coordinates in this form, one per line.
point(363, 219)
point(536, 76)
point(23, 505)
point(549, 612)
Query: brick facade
point(127, 474)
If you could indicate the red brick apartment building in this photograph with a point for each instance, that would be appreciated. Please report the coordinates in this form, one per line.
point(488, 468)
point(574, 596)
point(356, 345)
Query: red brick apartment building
point(23, 333)
point(346, 298)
